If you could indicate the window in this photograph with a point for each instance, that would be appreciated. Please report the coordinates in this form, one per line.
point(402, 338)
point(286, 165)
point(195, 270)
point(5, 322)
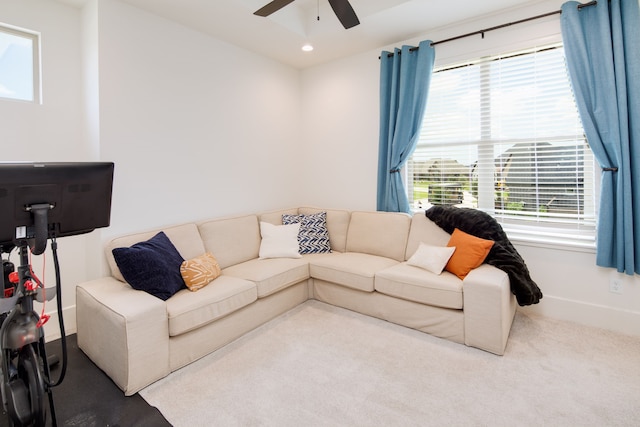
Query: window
point(19, 65)
point(502, 134)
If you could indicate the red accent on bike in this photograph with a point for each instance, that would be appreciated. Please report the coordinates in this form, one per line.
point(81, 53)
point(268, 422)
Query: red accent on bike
point(43, 319)
point(30, 285)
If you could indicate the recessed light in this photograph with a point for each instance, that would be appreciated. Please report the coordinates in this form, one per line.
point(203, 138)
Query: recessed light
point(307, 47)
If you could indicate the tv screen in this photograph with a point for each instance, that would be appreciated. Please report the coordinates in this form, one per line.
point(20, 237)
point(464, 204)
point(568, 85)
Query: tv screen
point(78, 196)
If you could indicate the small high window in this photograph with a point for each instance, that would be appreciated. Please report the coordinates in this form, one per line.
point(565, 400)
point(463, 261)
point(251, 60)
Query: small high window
point(19, 64)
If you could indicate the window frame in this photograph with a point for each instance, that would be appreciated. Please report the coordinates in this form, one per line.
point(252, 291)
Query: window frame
point(34, 37)
point(580, 238)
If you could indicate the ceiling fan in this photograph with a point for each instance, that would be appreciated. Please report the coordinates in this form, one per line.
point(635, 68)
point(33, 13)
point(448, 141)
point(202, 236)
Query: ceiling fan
point(342, 9)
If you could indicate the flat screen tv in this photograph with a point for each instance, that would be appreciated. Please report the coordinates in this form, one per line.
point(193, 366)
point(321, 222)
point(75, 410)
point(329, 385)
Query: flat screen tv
point(65, 199)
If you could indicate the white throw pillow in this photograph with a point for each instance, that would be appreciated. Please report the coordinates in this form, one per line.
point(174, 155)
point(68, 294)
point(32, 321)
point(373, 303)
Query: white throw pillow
point(431, 258)
point(279, 241)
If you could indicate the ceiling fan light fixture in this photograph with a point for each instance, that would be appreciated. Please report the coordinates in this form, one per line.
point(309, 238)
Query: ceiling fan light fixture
point(342, 8)
point(307, 47)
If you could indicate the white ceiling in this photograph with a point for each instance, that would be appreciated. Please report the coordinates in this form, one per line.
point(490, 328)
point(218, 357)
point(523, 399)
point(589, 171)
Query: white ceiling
point(281, 35)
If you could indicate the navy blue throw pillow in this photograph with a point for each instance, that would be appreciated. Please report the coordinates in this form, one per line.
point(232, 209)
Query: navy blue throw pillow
point(152, 266)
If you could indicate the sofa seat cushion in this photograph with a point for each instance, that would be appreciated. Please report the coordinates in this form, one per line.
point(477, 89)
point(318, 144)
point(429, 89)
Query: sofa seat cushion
point(190, 310)
point(351, 269)
point(271, 275)
point(312, 257)
point(419, 285)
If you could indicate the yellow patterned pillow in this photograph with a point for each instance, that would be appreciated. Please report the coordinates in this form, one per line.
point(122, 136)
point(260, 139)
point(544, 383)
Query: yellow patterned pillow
point(200, 271)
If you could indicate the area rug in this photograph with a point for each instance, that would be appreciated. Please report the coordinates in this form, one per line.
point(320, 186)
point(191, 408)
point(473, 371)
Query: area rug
point(320, 365)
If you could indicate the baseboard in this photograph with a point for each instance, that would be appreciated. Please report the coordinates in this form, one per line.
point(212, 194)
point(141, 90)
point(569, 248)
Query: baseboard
point(52, 327)
point(599, 316)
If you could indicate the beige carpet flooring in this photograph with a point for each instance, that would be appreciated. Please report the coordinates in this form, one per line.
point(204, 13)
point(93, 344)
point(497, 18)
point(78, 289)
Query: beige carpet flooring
point(320, 365)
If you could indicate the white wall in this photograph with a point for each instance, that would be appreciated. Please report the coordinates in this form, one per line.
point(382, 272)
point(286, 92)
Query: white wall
point(341, 109)
point(197, 128)
point(340, 133)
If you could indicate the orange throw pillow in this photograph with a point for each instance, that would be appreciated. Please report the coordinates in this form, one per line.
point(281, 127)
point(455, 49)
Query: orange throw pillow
point(200, 271)
point(470, 253)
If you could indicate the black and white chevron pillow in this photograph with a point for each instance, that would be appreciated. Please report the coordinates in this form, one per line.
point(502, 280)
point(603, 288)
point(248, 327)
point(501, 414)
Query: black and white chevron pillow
point(313, 237)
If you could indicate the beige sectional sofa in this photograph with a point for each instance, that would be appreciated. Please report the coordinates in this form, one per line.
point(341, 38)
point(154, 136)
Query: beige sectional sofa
point(137, 338)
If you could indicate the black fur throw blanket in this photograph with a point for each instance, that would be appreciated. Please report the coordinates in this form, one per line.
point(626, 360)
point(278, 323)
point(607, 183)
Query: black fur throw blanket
point(502, 255)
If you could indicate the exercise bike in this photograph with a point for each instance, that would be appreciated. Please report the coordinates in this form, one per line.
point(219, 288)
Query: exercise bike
point(40, 202)
point(25, 369)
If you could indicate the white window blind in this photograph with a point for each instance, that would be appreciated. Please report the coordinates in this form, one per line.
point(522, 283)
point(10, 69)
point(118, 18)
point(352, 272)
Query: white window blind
point(502, 134)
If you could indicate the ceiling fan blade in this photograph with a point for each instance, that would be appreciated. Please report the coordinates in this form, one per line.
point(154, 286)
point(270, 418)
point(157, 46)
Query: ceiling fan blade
point(345, 13)
point(271, 7)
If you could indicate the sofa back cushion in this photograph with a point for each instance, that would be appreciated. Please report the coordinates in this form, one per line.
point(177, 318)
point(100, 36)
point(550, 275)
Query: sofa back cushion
point(232, 240)
point(275, 217)
point(185, 238)
point(426, 231)
point(379, 233)
point(337, 224)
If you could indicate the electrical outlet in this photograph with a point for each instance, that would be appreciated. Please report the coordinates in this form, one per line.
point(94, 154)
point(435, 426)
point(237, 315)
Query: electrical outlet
point(615, 286)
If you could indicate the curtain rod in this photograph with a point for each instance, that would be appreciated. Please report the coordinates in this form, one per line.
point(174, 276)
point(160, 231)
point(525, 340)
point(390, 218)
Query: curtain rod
point(544, 15)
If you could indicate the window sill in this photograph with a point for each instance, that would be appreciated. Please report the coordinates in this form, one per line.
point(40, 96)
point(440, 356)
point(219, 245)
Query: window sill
point(566, 239)
point(550, 243)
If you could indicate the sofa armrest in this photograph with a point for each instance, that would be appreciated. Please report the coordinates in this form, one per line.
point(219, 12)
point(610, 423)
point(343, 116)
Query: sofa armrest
point(125, 332)
point(489, 308)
